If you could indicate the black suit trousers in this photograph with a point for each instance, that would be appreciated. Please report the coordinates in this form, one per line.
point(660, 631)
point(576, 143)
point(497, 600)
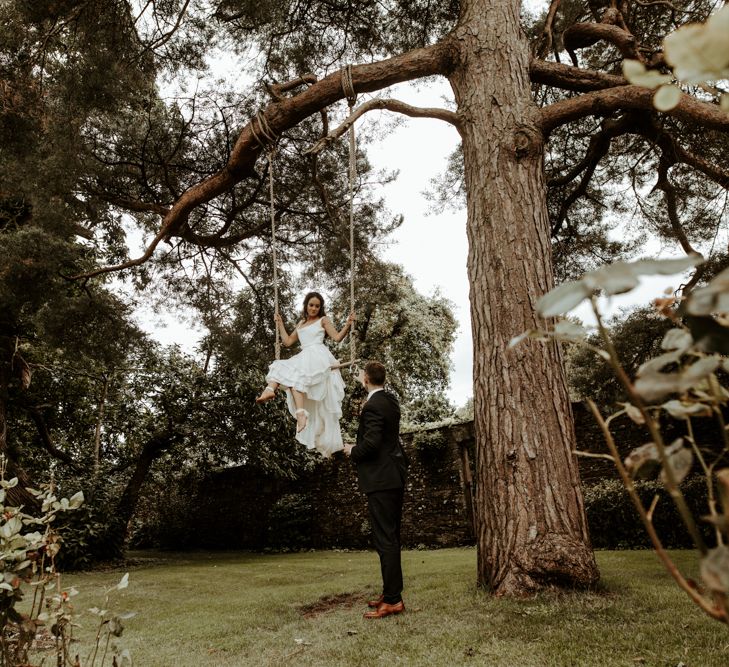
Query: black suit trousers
point(385, 516)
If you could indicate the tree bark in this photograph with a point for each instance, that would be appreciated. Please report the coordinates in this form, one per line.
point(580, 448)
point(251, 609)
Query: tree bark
point(531, 525)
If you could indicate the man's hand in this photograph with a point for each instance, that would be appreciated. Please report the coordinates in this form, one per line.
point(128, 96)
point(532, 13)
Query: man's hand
point(348, 447)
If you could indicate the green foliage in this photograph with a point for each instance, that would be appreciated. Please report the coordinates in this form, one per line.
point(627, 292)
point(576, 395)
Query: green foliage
point(86, 537)
point(430, 443)
point(615, 524)
point(306, 38)
point(161, 519)
point(289, 523)
point(428, 409)
point(637, 337)
point(27, 557)
point(411, 334)
point(465, 412)
point(28, 547)
point(29, 552)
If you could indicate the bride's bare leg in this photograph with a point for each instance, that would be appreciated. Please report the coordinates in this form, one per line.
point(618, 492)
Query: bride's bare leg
point(302, 416)
point(268, 393)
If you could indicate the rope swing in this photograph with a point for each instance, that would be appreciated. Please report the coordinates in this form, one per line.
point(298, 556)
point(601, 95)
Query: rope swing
point(267, 139)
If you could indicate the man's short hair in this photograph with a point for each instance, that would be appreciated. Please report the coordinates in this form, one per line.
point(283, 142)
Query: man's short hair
point(375, 373)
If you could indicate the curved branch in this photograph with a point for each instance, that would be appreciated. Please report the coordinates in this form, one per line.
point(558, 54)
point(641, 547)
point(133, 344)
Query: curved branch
point(547, 35)
point(285, 114)
point(644, 125)
point(599, 144)
point(605, 102)
point(218, 241)
point(669, 191)
point(277, 90)
point(598, 149)
point(715, 173)
point(45, 438)
point(583, 35)
point(163, 39)
point(389, 105)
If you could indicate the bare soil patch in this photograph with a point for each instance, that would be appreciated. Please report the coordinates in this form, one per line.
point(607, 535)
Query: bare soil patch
point(329, 603)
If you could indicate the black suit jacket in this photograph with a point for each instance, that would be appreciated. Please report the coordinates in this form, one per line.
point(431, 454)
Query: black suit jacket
point(380, 460)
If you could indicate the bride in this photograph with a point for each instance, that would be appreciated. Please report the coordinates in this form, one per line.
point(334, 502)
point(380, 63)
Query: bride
point(315, 389)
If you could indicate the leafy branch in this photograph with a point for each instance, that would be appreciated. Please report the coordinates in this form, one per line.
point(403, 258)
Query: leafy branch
point(690, 389)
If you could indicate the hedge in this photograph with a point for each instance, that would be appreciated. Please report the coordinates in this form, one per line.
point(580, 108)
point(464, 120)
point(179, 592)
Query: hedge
point(615, 524)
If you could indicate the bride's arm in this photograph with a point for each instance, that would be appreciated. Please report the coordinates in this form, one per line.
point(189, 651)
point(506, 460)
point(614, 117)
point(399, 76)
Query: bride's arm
point(286, 339)
point(335, 335)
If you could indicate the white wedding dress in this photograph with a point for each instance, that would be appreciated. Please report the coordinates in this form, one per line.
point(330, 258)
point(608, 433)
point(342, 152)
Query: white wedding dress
point(310, 373)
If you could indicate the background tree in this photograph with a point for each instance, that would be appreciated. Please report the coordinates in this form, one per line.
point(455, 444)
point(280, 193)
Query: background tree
point(637, 337)
point(511, 102)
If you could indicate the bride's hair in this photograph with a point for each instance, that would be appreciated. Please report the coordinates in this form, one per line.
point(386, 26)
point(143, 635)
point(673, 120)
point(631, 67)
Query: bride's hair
point(309, 297)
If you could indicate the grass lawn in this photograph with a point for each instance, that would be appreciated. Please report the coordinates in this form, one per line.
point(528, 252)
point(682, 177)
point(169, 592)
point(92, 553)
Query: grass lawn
point(200, 609)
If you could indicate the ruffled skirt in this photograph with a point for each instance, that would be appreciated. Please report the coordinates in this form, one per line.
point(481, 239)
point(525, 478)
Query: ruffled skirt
point(310, 373)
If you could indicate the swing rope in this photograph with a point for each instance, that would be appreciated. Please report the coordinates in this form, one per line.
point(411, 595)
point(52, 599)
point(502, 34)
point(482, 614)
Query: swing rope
point(351, 95)
point(267, 139)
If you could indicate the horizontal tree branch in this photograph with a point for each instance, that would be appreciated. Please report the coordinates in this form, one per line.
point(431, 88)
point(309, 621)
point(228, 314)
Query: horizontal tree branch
point(218, 241)
point(135, 205)
point(583, 35)
point(567, 77)
point(605, 102)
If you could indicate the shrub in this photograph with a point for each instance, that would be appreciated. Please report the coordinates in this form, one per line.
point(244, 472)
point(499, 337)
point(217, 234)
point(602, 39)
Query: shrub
point(289, 522)
point(29, 548)
point(615, 523)
point(162, 516)
point(86, 534)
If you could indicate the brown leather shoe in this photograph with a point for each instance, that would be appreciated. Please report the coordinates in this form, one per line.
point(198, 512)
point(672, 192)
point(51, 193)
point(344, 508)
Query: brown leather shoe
point(373, 604)
point(384, 609)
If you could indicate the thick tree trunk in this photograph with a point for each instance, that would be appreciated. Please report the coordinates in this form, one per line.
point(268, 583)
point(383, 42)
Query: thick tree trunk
point(531, 526)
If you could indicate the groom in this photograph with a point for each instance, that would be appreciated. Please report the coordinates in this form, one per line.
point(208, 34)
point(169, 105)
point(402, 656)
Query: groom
point(381, 468)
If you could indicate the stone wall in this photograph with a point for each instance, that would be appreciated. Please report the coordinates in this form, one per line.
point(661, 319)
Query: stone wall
point(436, 511)
point(234, 509)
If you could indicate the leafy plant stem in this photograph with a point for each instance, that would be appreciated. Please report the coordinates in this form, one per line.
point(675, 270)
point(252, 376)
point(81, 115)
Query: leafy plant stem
point(106, 647)
point(711, 499)
point(714, 612)
point(654, 430)
point(716, 393)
